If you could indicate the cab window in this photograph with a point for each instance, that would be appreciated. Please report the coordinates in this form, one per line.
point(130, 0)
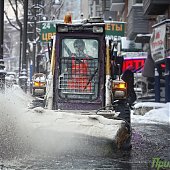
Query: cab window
point(79, 69)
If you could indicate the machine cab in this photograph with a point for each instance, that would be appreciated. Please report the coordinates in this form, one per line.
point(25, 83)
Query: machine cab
point(79, 72)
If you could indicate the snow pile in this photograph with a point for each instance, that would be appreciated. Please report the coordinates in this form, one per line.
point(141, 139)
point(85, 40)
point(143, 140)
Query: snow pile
point(150, 104)
point(160, 113)
point(62, 121)
point(38, 129)
point(66, 122)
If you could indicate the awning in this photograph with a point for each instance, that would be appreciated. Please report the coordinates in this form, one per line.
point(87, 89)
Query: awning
point(143, 38)
point(117, 6)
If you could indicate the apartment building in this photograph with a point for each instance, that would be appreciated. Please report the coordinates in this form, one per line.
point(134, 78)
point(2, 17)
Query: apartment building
point(148, 22)
point(140, 15)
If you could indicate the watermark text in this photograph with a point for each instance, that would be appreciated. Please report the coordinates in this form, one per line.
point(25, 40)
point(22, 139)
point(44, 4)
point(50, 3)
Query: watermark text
point(159, 164)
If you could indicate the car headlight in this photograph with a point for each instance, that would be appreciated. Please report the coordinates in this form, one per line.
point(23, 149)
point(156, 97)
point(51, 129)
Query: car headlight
point(119, 94)
point(39, 84)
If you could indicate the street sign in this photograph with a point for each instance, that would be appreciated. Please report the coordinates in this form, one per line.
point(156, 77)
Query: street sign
point(47, 31)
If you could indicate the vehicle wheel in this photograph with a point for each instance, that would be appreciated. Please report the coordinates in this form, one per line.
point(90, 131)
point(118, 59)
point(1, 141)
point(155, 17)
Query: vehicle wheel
point(123, 136)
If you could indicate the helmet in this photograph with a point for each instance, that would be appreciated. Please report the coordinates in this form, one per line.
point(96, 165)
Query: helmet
point(79, 44)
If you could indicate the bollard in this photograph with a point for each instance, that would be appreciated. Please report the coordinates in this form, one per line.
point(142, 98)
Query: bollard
point(23, 80)
point(157, 85)
point(167, 80)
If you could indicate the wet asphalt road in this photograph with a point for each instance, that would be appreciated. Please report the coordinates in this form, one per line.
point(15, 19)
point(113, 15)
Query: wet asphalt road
point(148, 141)
point(89, 153)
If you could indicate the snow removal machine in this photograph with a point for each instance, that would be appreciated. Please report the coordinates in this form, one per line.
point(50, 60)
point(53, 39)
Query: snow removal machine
point(85, 76)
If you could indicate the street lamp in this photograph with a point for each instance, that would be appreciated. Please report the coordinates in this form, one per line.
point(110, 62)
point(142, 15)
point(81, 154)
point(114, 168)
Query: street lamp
point(23, 79)
point(23, 73)
point(37, 11)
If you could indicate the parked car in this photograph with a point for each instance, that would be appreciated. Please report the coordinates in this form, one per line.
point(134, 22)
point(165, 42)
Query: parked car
point(39, 84)
point(10, 79)
point(145, 85)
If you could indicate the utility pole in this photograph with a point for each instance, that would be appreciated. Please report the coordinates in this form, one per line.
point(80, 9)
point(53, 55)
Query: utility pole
point(23, 74)
point(2, 67)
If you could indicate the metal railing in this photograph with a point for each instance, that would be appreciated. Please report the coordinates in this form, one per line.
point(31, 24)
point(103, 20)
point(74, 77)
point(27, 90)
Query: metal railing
point(78, 76)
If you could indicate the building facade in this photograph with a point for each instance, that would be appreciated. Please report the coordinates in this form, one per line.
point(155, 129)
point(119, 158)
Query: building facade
point(140, 15)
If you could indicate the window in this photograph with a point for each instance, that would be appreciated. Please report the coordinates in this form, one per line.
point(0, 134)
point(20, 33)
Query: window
point(138, 1)
point(79, 69)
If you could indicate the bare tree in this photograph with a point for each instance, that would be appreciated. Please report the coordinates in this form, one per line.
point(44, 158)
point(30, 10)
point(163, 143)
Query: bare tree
point(18, 23)
point(50, 10)
point(16, 10)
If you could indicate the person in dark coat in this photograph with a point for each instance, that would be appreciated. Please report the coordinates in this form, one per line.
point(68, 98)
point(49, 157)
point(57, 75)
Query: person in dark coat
point(128, 77)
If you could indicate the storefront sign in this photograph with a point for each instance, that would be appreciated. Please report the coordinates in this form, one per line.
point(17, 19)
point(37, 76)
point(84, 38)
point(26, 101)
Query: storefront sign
point(114, 29)
point(157, 43)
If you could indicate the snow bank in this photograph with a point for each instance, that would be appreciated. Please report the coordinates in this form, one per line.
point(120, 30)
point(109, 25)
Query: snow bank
point(160, 113)
point(149, 104)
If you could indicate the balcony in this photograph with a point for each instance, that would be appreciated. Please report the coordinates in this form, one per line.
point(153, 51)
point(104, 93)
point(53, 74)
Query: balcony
point(137, 22)
point(117, 5)
point(155, 7)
